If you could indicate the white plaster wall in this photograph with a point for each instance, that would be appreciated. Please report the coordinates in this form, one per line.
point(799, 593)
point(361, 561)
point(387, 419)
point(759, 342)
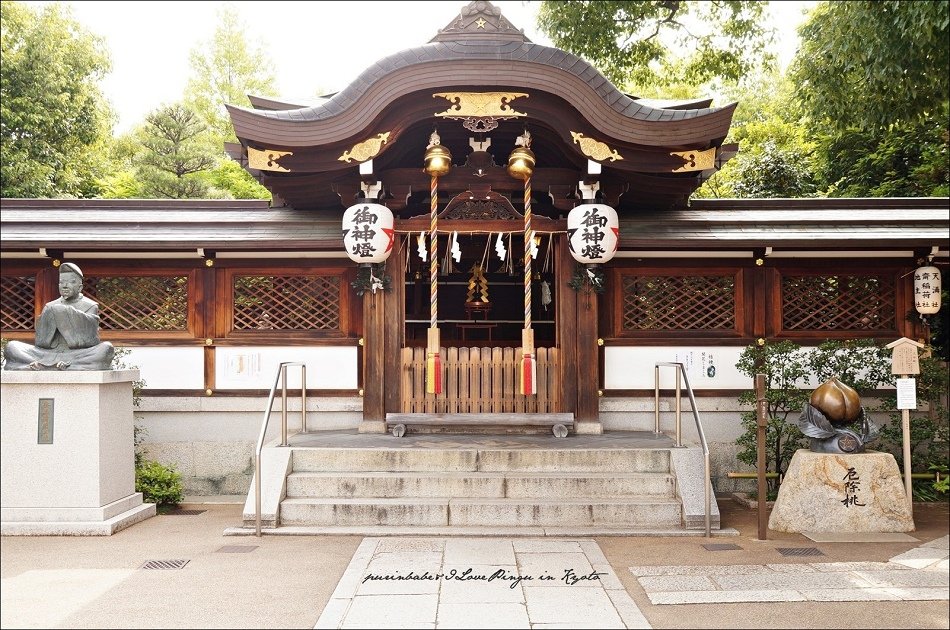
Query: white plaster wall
point(255, 367)
point(632, 367)
point(169, 367)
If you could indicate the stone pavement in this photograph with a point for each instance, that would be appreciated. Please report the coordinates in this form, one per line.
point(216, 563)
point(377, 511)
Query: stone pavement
point(494, 583)
point(205, 579)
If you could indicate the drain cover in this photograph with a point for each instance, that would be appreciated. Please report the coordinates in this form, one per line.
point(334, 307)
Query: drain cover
point(165, 564)
point(799, 551)
point(237, 549)
point(185, 512)
point(721, 547)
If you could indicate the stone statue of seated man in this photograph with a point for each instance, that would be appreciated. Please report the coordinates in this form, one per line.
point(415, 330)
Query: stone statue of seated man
point(67, 332)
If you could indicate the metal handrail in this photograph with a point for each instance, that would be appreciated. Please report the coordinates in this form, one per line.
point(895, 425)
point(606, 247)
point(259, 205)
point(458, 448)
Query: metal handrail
point(281, 379)
point(681, 372)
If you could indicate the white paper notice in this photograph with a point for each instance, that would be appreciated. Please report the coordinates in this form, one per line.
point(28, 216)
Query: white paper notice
point(906, 393)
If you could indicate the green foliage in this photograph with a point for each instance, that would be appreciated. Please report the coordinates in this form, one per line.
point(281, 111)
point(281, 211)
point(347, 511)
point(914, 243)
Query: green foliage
point(940, 327)
point(872, 64)
point(928, 425)
point(792, 372)
point(785, 366)
point(632, 43)
point(228, 179)
point(371, 278)
point(941, 485)
point(54, 121)
point(159, 484)
point(908, 159)
point(118, 363)
point(588, 278)
point(226, 69)
point(776, 150)
point(858, 363)
point(176, 149)
point(773, 172)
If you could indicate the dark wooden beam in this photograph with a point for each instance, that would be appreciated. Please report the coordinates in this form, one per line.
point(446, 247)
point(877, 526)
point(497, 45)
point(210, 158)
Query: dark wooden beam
point(566, 336)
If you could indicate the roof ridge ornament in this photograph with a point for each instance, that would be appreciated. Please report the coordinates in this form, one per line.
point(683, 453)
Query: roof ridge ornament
point(480, 111)
point(482, 20)
point(595, 149)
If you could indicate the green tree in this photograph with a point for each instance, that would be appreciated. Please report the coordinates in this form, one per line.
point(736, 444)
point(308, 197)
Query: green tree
point(54, 120)
point(908, 159)
point(120, 180)
point(229, 179)
point(777, 151)
point(873, 64)
point(632, 43)
point(175, 152)
point(225, 70)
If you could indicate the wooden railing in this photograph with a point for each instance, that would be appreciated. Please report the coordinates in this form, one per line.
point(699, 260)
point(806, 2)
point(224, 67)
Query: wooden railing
point(479, 380)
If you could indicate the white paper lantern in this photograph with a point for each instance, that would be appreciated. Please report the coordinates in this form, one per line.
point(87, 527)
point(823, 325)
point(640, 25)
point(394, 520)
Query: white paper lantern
point(927, 290)
point(593, 233)
point(368, 232)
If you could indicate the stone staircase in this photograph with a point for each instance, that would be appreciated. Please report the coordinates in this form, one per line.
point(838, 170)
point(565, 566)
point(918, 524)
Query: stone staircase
point(476, 491)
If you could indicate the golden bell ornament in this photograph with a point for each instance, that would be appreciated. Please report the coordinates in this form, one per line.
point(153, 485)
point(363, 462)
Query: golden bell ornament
point(438, 160)
point(837, 401)
point(521, 163)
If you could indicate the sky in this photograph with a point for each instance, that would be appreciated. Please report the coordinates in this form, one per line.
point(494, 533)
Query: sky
point(316, 47)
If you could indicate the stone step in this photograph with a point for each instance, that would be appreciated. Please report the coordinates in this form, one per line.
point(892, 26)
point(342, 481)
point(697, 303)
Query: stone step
point(478, 484)
point(479, 512)
point(476, 532)
point(481, 460)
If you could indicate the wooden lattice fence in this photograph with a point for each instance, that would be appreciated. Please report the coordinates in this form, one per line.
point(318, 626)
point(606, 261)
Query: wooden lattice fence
point(479, 380)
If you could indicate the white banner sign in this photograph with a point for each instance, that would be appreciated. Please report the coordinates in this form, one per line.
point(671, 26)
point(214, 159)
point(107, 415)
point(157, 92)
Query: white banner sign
point(906, 393)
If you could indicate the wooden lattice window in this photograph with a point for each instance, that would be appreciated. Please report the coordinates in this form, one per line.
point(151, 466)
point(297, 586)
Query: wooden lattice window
point(146, 303)
point(288, 302)
point(683, 302)
point(838, 302)
point(16, 302)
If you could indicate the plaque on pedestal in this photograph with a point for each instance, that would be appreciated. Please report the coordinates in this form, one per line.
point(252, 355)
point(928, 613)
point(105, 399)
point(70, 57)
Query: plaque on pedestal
point(831, 492)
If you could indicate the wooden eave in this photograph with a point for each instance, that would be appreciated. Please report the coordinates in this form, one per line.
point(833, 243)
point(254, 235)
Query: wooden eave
point(814, 224)
point(613, 116)
point(27, 225)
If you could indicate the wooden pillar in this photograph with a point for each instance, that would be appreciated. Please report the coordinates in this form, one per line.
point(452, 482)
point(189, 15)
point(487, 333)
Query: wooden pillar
point(587, 415)
point(566, 336)
point(207, 326)
point(374, 352)
point(394, 328)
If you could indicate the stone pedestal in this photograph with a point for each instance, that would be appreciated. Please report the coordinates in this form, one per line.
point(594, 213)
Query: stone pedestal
point(824, 492)
point(68, 453)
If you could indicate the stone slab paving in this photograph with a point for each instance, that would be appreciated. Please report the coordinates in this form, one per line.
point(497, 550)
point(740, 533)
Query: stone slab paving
point(918, 574)
point(480, 583)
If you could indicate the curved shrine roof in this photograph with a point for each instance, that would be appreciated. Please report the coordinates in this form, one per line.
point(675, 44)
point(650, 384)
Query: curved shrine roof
point(494, 54)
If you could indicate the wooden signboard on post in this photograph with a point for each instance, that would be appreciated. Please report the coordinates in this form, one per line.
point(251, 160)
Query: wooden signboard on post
point(904, 363)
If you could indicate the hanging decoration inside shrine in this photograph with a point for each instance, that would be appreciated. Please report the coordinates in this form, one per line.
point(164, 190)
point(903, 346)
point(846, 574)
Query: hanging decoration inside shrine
point(927, 286)
point(438, 162)
point(521, 166)
point(477, 284)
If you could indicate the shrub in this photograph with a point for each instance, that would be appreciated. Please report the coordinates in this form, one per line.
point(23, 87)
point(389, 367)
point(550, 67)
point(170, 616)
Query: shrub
point(784, 365)
point(929, 432)
point(790, 374)
point(159, 484)
point(790, 371)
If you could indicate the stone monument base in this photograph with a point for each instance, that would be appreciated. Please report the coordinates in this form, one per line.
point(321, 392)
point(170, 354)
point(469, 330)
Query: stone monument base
point(68, 453)
point(825, 492)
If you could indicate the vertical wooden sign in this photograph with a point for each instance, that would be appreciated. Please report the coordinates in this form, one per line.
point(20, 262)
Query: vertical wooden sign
point(904, 363)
